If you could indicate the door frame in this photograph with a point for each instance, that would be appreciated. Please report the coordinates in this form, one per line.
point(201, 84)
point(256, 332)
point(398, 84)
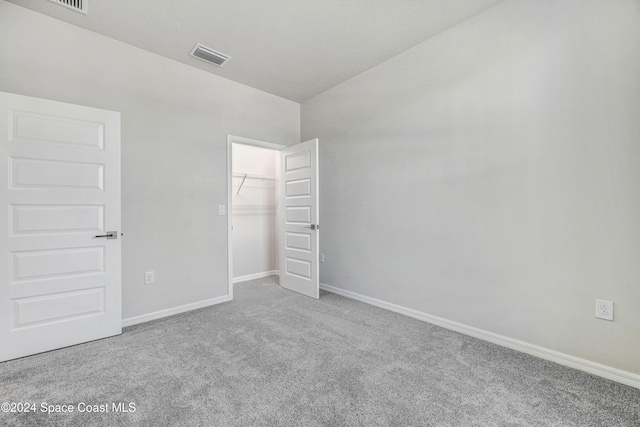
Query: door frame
point(232, 139)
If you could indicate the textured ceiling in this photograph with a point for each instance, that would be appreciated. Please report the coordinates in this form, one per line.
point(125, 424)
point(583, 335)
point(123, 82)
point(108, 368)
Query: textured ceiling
point(292, 48)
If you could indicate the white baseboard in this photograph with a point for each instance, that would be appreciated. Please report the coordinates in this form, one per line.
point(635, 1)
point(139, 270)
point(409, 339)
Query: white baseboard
point(171, 311)
point(256, 276)
point(594, 368)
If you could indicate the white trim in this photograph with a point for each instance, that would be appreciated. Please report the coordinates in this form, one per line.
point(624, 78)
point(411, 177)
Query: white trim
point(230, 140)
point(255, 143)
point(613, 374)
point(171, 311)
point(246, 141)
point(256, 276)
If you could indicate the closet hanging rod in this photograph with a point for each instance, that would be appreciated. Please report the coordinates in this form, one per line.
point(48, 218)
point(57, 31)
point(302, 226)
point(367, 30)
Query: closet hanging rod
point(240, 188)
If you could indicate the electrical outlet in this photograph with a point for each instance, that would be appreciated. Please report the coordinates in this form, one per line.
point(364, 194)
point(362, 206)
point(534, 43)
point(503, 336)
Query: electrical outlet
point(149, 277)
point(222, 210)
point(604, 309)
point(321, 257)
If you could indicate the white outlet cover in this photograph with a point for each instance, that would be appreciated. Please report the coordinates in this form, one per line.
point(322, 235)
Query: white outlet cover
point(604, 309)
point(222, 210)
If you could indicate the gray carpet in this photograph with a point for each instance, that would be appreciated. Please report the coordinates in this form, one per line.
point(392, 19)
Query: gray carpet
point(275, 358)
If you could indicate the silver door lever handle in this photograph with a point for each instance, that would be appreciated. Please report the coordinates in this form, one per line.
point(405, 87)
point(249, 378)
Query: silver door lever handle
point(313, 227)
point(109, 235)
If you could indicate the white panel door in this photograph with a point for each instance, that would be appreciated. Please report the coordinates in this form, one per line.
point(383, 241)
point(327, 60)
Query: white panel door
point(299, 246)
point(59, 189)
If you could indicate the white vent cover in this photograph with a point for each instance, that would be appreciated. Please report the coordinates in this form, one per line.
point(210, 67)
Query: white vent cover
point(77, 5)
point(207, 54)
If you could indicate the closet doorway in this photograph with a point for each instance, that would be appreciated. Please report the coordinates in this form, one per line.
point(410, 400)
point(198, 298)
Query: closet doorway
point(254, 209)
point(273, 213)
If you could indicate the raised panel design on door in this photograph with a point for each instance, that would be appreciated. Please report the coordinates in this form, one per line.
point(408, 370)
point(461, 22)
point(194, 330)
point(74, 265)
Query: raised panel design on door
point(298, 267)
point(59, 306)
point(299, 220)
point(48, 264)
point(296, 161)
point(298, 188)
point(45, 129)
point(55, 219)
point(298, 215)
point(50, 174)
point(60, 284)
point(297, 241)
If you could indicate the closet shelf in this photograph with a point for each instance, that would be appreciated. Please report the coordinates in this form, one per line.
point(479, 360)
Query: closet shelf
point(253, 176)
point(245, 176)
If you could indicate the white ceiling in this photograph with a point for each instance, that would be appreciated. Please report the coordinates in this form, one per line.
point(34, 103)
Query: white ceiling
point(292, 48)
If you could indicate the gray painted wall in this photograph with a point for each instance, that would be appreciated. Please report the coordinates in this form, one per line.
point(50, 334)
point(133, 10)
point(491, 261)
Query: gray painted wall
point(491, 176)
point(175, 121)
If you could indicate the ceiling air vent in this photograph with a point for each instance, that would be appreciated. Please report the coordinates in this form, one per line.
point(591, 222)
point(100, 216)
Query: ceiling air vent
point(209, 55)
point(77, 5)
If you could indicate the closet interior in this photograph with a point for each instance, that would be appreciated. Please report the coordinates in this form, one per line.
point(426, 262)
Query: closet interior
point(255, 173)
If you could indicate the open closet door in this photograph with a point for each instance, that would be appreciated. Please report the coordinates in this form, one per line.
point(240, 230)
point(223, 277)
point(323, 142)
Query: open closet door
point(299, 246)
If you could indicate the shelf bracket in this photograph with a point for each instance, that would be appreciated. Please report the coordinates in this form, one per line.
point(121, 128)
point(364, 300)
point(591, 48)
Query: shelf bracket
point(239, 188)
